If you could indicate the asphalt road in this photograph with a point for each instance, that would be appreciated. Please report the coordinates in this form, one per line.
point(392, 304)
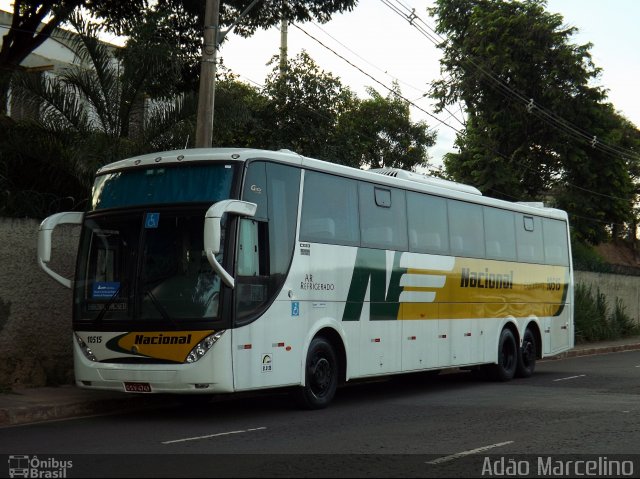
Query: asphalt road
point(451, 425)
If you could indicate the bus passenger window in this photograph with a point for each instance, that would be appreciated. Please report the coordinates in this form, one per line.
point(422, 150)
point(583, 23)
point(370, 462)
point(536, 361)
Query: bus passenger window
point(457, 244)
point(428, 225)
point(500, 233)
point(556, 249)
point(433, 241)
point(466, 227)
point(529, 236)
point(329, 210)
point(321, 228)
point(383, 221)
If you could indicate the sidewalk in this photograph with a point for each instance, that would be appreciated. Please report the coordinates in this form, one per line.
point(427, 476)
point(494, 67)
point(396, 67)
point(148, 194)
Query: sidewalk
point(30, 405)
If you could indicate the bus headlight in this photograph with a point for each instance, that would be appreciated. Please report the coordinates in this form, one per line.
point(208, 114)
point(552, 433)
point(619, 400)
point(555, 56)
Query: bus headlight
point(85, 349)
point(203, 346)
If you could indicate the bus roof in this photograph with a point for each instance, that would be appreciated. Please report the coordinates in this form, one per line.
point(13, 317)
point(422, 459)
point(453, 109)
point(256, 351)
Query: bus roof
point(387, 176)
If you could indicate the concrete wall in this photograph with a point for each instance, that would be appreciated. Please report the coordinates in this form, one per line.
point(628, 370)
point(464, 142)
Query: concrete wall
point(35, 310)
point(626, 288)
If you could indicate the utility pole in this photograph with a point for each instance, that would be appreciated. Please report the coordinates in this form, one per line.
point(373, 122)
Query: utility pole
point(206, 96)
point(207, 93)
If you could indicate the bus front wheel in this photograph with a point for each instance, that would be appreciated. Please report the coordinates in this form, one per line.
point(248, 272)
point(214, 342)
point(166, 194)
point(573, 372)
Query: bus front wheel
point(321, 375)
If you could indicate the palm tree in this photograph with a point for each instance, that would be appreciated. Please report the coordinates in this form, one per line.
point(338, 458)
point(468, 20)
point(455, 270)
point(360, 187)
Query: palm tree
point(95, 112)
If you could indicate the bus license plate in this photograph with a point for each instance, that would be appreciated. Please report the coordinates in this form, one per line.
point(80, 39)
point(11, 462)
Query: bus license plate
point(137, 387)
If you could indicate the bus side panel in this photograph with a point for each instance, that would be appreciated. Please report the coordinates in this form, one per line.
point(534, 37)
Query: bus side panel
point(268, 352)
point(561, 332)
point(320, 280)
point(419, 341)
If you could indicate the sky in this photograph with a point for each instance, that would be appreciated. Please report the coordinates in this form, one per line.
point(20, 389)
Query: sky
point(383, 44)
point(374, 39)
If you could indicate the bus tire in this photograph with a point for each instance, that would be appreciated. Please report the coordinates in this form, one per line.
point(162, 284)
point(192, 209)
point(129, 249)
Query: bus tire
point(321, 376)
point(505, 370)
point(527, 355)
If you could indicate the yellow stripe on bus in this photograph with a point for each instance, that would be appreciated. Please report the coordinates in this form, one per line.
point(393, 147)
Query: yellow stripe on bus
point(477, 288)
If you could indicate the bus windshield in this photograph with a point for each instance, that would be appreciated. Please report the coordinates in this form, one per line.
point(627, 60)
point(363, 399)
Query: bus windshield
point(184, 184)
point(143, 258)
point(130, 271)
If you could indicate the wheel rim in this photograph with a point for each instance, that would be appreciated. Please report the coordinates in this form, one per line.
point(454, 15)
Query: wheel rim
point(320, 376)
point(508, 355)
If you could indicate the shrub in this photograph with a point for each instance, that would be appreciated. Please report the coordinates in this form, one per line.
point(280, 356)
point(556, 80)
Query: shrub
point(623, 324)
point(593, 322)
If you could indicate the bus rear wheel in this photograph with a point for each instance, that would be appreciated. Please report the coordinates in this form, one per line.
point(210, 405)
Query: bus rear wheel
point(321, 376)
point(527, 356)
point(505, 370)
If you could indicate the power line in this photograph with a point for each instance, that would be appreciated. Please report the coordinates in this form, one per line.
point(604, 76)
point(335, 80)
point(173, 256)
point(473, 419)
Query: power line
point(375, 79)
point(443, 122)
point(421, 90)
point(532, 107)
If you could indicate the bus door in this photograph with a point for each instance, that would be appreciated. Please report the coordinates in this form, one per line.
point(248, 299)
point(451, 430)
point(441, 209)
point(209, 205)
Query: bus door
point(263, 323)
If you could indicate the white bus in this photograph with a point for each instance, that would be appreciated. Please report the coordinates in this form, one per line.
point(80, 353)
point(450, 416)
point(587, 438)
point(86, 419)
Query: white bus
point(225, 270)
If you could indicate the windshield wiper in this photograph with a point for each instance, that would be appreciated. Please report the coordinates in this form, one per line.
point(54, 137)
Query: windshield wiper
point(108, 304)
point(161, 309)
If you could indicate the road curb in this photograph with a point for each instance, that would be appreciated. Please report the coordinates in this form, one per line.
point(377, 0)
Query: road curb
point(13, 416)
point(574, 353)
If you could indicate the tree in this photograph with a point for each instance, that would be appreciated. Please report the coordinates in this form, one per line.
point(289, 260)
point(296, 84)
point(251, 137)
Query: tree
point(90, 114)
point(529, 98)
point(34, 21)
point(378, 132)
point(304, 105)
point(240, 114)
point(309, 111)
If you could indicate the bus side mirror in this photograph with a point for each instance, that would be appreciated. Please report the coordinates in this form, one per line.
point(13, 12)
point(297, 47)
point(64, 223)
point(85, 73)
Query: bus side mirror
point(44, 241)
point(212, 231)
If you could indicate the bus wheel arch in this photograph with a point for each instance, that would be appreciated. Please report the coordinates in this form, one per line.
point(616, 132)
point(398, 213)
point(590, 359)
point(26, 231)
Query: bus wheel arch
point(334, 338)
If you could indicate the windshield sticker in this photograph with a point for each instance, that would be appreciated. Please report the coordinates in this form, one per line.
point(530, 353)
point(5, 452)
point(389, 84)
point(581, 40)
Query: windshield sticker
point(152, 220)
point(105, 289)
point(117, 306)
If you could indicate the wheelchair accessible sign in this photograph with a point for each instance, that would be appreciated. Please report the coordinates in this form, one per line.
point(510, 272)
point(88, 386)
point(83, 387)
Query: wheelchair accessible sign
point(152, 220)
